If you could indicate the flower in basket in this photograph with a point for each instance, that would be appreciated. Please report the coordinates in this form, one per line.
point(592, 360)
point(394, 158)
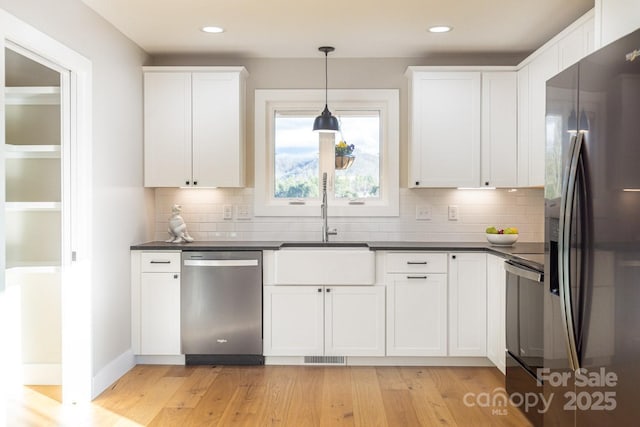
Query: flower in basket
point(344, 149)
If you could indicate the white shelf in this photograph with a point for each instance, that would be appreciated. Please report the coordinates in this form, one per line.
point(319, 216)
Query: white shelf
point(33, 95)
point(13, 151)
point(33, 206)
point(33, 267)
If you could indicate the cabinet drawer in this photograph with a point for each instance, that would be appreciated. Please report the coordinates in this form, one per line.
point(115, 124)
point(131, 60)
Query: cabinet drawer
point(160, 262)
point(416, 262)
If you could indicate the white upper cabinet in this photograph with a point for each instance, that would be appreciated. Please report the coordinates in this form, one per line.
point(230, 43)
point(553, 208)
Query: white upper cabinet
point(532, 109)
point(194, 126)
point(444, 128)
point(576, 44)
point(499, 129)
point(615, 19)
point(459, 122)
point(564, 50)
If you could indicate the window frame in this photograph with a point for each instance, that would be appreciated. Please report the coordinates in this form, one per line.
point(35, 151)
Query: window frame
point(269, 101)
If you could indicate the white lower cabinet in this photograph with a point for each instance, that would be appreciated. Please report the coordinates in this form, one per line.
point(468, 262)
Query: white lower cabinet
point(155, 303)
point(467, 304)
point(354, 321)
point(323, 320)
point(496, 311)
point(293, 320)
point(416, 314)
point(160, 313)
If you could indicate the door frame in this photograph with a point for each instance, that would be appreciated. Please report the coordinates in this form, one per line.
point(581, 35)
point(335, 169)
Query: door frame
point(76, 106)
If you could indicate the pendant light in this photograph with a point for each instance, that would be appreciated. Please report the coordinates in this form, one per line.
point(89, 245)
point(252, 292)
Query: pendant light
point(326, 122)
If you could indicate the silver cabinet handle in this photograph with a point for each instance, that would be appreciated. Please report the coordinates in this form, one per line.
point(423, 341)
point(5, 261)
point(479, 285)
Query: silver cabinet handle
point(416, 262)
point(417, 277)
point(160, 262)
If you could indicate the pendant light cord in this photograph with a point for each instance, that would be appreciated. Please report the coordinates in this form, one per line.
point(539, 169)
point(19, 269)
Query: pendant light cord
point(326, 79)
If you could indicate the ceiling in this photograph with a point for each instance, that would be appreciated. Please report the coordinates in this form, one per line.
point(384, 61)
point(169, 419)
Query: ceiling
point(357, 28)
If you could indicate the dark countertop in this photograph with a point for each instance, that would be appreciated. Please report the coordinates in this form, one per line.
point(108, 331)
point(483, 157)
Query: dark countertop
point(234, 245)
point(533, 252)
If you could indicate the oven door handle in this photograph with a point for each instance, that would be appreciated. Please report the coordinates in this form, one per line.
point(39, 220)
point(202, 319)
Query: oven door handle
point(522, 271)
point(564, 248)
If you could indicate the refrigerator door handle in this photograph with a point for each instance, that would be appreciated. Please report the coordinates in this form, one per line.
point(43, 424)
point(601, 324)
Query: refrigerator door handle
point(564, 248)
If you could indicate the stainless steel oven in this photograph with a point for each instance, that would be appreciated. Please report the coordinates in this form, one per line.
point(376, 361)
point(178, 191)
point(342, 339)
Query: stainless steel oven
point(525, 331)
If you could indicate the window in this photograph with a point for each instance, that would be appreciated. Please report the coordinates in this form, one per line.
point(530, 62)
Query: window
point(296, 157)
point(291, 158)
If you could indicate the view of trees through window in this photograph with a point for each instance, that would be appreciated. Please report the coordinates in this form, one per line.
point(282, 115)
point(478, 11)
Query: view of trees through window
point(297, 156)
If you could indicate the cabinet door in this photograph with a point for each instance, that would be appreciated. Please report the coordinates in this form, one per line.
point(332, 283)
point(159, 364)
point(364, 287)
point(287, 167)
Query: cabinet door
point(499, 129)
point(572, 48)
point(445, 129)
point(617, 19)
point(160, 314)
point(541, 69)
point(293, 321)
point(167, 129)
point(468, 304)
point(496, 328)
point(218, 143)
point(416, 314)
point(354, 321)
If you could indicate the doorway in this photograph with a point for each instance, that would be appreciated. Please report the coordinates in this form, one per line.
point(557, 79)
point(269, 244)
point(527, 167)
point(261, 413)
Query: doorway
point(45, 212)
point(34, 207)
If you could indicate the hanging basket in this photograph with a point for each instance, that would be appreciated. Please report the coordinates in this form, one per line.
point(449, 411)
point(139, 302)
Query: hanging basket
point(344, 162)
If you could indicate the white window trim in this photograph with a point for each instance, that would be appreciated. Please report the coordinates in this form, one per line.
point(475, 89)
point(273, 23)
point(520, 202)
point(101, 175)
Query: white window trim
point(384, 100)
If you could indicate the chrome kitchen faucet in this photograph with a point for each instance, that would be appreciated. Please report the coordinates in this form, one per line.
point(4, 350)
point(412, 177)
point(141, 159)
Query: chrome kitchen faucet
point(325, 227)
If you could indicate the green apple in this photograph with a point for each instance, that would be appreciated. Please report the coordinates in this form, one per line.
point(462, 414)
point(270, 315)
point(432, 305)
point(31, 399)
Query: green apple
point(491, 230)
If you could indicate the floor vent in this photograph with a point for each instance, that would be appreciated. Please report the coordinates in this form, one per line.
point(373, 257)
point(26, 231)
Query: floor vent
point(325, 360)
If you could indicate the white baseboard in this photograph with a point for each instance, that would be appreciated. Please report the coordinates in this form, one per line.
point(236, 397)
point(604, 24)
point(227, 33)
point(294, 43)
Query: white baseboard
point(42, 374)
point(160, 360)
point(389, 361)
point(112, 372)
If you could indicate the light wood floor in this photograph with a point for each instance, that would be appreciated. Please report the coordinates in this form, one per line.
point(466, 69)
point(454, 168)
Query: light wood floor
point(275, 395)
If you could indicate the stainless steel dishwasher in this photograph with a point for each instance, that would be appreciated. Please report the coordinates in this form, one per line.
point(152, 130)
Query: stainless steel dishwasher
point(221, 307)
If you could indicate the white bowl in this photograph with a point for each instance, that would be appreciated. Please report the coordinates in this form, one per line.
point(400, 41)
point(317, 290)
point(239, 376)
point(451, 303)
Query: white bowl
point(502, 239)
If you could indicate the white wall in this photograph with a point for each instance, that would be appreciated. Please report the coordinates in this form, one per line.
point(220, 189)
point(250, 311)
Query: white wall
point(122, 209)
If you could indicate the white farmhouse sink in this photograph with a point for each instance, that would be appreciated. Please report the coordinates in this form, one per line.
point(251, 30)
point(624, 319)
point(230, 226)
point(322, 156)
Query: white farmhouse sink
point(324, 266)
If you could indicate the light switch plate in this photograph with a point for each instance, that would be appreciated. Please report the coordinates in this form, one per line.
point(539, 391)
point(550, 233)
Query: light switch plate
point(423, 212)
point(453, 212)
point(227, 212)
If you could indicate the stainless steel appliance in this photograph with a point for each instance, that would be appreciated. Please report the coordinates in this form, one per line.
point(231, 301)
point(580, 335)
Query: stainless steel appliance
point(221, 307)
point(524, 329)
point(592, 275)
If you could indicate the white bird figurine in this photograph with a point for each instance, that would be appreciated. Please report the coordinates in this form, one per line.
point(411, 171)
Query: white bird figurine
point(177, 227)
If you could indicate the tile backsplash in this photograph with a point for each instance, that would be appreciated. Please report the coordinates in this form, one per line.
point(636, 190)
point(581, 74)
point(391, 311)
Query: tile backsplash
point(203, 211)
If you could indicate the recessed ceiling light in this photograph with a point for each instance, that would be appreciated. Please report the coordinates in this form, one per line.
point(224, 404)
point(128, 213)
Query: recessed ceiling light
point(210, 29)
point(440, 29)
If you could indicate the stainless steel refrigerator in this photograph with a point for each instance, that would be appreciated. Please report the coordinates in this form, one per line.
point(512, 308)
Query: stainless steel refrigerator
point(592, 231)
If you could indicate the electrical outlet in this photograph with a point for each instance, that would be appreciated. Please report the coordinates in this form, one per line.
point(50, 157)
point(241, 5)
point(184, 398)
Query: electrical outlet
point(242, 212)
point(227, 212)
point(453, 212)
point(423, 213)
